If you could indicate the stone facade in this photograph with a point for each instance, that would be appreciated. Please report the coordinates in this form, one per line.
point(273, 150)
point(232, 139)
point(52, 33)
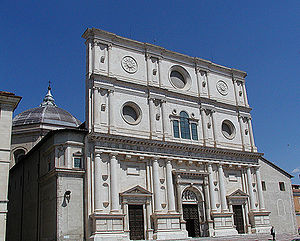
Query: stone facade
point(39, 205)
point(168, 153)
point(296, 195)
point(8, 103)
point(171, 124)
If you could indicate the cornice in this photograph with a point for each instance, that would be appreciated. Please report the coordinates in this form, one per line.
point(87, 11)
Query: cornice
point(62, 172)
point(157, 145)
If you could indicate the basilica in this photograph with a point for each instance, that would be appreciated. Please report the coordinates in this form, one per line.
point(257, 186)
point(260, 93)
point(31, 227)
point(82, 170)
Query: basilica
point(166, 151)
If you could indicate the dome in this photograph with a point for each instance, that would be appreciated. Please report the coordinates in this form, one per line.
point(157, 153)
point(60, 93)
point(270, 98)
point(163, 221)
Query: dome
point(46, 113)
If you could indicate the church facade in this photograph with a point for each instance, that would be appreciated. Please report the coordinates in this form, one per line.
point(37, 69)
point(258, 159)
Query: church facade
point(172, 139)
point(167, 152)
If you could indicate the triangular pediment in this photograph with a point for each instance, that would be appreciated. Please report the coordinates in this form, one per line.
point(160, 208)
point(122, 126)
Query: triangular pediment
point(137, 190)
point(238, 193)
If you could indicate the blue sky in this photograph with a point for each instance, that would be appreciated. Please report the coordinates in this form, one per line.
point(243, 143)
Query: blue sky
point(41, 41)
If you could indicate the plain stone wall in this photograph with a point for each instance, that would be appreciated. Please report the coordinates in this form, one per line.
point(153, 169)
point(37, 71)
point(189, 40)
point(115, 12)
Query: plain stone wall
point(70, 221)
point(280, 203)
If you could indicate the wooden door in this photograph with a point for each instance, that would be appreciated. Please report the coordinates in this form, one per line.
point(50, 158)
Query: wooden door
point(238, 218)
point(136, 222)
point(191, 216)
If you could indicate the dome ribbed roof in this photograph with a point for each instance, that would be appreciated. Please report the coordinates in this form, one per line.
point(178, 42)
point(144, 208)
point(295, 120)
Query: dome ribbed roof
point(47, 113)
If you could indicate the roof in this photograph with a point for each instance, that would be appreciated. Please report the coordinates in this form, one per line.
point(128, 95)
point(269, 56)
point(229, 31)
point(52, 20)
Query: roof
point(276, 167)
point(46, 113)
point(51, 133)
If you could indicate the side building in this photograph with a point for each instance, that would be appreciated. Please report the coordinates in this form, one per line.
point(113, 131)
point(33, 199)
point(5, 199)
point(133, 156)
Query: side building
point(8, 103)
point(167, 151)
point(296, 195)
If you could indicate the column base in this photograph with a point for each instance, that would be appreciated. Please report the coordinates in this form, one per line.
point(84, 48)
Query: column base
point(109, 237)
point(168, 226)
point(223, 224)
point(108, 227)
point(260, 221)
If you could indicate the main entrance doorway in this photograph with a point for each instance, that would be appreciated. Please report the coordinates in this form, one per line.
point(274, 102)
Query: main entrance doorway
point(191, 216)
point(136, 222)
point(238, 218)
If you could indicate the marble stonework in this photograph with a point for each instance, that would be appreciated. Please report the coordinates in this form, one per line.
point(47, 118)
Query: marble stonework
point(168, 141)
point(8, 103)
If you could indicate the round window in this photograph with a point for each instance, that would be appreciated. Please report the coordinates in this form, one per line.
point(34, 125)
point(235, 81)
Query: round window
point(131, 113)
point(228, 129)
point(177, 79)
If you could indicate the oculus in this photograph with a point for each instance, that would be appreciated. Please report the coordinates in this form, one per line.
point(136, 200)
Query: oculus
point(228, 129)
point(131, 113)
point(222, 87)
point(129, 64)
point(179, 78)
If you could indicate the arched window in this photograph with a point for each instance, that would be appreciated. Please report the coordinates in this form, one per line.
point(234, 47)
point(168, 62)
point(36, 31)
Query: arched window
point(186, 128)
point(18, 154)
point(184, 125)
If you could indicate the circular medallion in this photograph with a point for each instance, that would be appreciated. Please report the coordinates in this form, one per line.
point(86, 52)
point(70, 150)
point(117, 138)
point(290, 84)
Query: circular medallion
point(222, 87)
point(129, 64)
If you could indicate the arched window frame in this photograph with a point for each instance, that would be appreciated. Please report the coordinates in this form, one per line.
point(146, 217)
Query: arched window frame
point(185, 131)
point(184, 127)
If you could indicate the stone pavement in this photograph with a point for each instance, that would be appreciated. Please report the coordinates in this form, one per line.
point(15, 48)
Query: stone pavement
point(250, 237)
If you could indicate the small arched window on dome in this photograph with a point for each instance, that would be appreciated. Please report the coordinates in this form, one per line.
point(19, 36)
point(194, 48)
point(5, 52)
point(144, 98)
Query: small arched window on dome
point(18, 154)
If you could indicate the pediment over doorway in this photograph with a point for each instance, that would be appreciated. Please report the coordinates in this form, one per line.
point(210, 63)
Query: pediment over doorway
point(238, 194)
point(137, 191)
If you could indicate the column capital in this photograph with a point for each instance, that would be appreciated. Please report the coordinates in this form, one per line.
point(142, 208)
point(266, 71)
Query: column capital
point(155, 158)
point(109, 46)
point(113, 154)
point(169, 159)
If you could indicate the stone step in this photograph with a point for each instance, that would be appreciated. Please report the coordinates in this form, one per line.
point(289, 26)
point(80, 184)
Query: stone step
point(248, 237)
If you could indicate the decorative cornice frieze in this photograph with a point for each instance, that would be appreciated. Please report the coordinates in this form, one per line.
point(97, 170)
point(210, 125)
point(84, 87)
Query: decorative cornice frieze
point(154, 147)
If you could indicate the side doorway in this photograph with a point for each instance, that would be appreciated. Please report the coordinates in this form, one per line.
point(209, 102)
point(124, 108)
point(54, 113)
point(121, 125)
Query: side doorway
point(136, 222)
point(238, 218)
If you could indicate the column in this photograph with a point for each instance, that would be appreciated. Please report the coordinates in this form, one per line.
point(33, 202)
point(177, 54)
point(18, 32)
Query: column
point(211, 188)
point(111, 109)
point(206, 196)
point(109, 59)
point(149, 65)
point(114, 183)
point(214, 127)
point(170, 189)
point(251, 134)
point(97, 176)
point(241, 128)
point(250, 189)
point(208, 90)
point(203, 117)
point(259, 190)
point(151, 116)
point(148, 214)
point(245, 94)
point(165, 118)
point(235, 94)
point(126, 223)
point(222, 189)
point(96, 107)
point(68, 157)
point(156, 186)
